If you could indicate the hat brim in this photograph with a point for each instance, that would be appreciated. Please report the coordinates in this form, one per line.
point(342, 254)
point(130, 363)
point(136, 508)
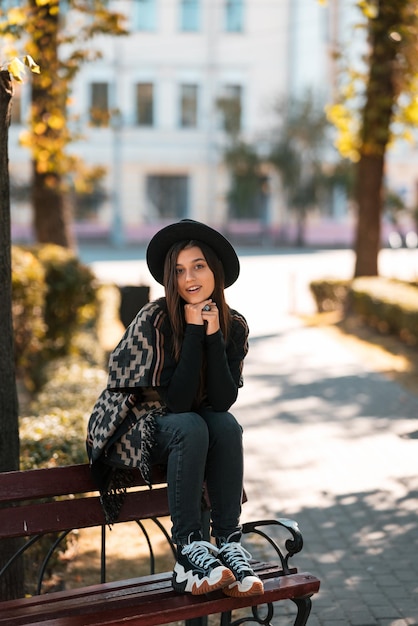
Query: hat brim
point(187, 230)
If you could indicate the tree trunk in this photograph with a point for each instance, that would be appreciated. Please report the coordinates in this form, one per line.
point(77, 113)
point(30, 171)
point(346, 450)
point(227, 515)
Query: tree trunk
point(369, 199)
point(52, 216)
point(9, 440)
point(376, 121)
point(52, 212)
point(11, 585)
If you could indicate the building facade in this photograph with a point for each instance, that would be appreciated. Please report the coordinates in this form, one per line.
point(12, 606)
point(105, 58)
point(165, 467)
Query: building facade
point(150, 109)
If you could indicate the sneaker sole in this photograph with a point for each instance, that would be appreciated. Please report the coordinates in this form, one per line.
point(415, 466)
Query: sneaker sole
point(256, 589)
point(183, 583)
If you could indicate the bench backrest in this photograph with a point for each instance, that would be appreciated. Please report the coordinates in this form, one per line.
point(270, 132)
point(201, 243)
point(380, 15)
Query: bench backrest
point(64, 498)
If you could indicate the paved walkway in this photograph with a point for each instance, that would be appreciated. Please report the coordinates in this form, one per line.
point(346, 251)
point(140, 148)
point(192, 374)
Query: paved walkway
point(333, 444)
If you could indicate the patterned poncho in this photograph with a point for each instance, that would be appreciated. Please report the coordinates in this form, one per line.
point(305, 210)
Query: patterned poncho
point(121, 427)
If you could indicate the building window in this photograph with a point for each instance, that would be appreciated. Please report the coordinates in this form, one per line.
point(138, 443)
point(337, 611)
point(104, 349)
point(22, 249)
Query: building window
point(230, 105)
point(99, 104)
point(145, 104)
point(188, 106)
point(234, 16)
point(189, 15)
point(167, 196)
point(145, 15)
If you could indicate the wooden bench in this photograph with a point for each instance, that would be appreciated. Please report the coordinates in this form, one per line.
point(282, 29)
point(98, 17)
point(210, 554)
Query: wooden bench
point(57, 500)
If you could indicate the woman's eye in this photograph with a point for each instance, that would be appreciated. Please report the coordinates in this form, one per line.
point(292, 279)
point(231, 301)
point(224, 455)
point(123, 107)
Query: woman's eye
point(178, 271)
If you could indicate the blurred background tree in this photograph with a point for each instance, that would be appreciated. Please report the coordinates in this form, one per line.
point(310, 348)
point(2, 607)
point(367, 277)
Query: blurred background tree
point(298, 149)
point(246, 196)
point(40, 28)
point(245, 189)
point(377, 103)
point(300, 153)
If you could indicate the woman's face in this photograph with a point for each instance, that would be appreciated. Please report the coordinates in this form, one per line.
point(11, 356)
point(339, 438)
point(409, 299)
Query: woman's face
point(195, 279)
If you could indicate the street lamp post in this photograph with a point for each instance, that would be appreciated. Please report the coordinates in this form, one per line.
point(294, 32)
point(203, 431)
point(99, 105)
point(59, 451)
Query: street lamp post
point(117, 237)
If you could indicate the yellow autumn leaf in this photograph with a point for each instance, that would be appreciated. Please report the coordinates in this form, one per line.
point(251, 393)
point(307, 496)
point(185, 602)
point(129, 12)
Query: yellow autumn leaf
point(56, 122)
point(348, 91)
point(16, 16)
point(336, 113)
point(16, 68)
point(408, 136)
point(25, 138)
point(34, 67)
point(369, 9)
point(41, 167)
point(43, 155)
point(346, 148)
point(39, 128)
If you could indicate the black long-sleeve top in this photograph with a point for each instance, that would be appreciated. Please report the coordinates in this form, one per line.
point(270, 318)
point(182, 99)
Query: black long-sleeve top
point(222, 372)
point(221, 362)
point(144, 360)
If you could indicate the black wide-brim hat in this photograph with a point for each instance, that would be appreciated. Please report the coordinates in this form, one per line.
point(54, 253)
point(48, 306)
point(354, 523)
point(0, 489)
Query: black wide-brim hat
point(187, 230)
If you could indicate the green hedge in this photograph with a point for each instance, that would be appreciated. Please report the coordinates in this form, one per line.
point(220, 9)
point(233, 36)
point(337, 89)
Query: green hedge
point(330, 295)
point(28, 304)
point(388, 305)
point(54, 294)
point(53, 427)
point(70, 298)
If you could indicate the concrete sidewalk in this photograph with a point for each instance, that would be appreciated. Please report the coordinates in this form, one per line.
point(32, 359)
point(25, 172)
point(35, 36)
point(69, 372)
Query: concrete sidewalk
point(333, 444)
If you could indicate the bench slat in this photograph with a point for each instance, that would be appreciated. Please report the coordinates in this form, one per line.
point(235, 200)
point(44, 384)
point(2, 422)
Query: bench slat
point(78, 513)
point(141, 602)
point(57, 481)
point(265, 569)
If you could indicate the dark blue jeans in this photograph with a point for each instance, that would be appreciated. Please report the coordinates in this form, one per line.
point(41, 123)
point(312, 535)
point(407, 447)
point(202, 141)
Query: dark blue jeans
point(198, 447)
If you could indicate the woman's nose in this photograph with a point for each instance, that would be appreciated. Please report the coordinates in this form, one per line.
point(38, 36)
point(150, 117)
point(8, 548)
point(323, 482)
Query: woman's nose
point(189, 274)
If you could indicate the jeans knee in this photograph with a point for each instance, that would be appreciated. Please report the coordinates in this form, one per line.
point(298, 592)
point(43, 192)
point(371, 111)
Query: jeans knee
point(233, 428)
point(224, 426)
point(191, 428)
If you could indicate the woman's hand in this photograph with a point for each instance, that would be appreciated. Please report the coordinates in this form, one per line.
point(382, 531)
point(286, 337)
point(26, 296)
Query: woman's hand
point(202, 312)
point(210, 315)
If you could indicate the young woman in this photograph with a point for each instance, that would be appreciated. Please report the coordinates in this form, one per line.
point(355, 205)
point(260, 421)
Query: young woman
point(172, 380)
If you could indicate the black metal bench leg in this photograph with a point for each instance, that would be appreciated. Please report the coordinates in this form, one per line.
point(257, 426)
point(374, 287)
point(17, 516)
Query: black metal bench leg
point(225, 618)
point(304, 606)
point(197, 621)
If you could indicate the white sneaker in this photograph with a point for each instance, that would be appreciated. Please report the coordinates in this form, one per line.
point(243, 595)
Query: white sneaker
point(198, 571)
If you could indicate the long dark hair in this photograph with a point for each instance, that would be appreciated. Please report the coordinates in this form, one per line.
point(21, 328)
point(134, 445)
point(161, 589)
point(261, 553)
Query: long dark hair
point(175, 304)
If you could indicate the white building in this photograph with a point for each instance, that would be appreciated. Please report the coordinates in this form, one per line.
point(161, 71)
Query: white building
point(165, 80)
point(161, 86)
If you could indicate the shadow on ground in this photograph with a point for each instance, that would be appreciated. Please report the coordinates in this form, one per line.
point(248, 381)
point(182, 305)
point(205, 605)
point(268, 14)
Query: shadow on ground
point(363, 547)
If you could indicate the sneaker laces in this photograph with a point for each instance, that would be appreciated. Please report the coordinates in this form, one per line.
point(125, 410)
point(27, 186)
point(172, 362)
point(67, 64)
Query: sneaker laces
point(237, 555)
point(198, 552)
